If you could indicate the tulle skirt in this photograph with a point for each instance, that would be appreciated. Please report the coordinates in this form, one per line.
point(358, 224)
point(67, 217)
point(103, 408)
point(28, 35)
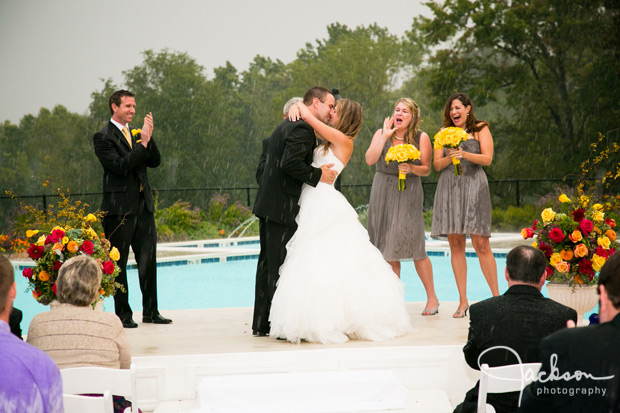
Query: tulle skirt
point(334, 284)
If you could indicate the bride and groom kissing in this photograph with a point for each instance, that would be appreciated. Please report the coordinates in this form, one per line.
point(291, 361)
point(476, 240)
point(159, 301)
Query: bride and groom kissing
point(318, 277)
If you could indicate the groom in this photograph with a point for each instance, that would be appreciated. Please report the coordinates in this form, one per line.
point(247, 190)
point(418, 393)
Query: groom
point(285, 166)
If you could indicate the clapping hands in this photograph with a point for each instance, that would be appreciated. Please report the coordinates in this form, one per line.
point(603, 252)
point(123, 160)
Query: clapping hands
point(147, 129)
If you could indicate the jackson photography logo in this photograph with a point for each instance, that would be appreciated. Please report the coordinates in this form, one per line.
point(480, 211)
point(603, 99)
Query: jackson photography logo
point(554, 375)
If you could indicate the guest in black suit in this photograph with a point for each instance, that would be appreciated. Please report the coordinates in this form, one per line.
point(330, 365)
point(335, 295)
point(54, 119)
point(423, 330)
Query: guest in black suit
point(128, 202)
point(519, 319)
point(285, 166)
point(15, 321)
point(589, 350)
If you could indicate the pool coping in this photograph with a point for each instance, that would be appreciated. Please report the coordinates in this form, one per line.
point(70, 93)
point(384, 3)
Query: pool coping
point(231, 249)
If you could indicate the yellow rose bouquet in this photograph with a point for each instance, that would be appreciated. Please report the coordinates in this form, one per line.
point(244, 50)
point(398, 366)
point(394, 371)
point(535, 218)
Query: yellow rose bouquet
point(402, 153)
point(451, 138)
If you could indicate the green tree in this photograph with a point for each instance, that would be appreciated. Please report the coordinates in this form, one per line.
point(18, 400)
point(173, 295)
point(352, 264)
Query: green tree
point(553, 67)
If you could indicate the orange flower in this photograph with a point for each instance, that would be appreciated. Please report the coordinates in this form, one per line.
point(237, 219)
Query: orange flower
point(578, 279)
point(566, 255)
point(597, 230)
point(72, 246)
point(576, 236)
point(101, 291)
point(43, 276)
point(222, 232)
point(562, 267)
point(581, 251)
point(611, 234)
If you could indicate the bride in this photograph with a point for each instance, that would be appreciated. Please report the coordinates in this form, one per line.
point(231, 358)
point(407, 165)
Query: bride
point(334, 284)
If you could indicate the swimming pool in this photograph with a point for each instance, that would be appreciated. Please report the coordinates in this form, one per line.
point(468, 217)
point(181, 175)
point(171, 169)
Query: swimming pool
point(231, 284)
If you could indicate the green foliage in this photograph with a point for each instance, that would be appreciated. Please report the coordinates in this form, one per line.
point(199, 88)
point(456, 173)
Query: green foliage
point(513, 219)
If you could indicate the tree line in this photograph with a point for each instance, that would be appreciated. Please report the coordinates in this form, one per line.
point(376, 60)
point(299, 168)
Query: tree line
point(544, 74)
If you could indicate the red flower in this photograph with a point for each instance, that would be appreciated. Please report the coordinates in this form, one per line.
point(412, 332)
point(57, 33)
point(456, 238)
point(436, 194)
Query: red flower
point(58, 234)
point(546, 249)
point(35, 251)
point(602, 252)
point(87, 247)
point(549, 271)
point(579, 214)
point(57, 265)
point(557, 235)
point(586, 226)
point(535, 223)
point(50, 239)
point(54, 289)
point(610, 222)
point(585, 267)
point(27, 272)
point(108, 267)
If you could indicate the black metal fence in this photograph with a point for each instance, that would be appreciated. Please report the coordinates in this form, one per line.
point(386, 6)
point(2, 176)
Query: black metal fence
point(504, 193)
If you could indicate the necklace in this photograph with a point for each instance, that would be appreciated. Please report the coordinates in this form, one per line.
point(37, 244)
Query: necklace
point(400, 139)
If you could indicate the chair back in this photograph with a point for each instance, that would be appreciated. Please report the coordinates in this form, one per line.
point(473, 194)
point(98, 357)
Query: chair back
point(503, 379)
point(85, 380)
point(80, 404)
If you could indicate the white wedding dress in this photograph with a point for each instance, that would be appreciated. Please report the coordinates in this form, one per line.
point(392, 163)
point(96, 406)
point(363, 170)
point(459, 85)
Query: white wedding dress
point(334, 284)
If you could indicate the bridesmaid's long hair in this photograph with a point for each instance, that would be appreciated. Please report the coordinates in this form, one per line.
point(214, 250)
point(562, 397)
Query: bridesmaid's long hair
point(349, 119)
point(414, 125)
point(471, 123)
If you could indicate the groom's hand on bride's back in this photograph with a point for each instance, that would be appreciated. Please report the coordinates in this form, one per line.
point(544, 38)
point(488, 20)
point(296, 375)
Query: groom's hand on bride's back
point(328, 175)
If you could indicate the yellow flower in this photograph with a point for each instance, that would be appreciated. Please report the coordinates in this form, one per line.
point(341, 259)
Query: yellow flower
point(91, 233)
point(41, 240)
point(597, 207)
point(603, 242)
point(114, 254)
point(555, 259)
point(563, 198)
point(598, 216)
point(585, 200)
point(65, 240)
point(90, 218)
point(562, 267)
point(547, 215)
point(134, 132)
point(58, 227)
point(581, 250)
point(535, 244)
point(31, 233)
point(597, 262)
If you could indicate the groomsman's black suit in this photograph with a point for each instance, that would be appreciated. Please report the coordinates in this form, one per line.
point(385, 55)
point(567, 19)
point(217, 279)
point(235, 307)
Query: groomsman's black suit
point(519, 319)
point(592, 350)
point(127, 196)
point(284, 166)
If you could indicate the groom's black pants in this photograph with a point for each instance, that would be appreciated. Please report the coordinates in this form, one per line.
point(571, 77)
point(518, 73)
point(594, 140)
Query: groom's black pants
point(273, 240)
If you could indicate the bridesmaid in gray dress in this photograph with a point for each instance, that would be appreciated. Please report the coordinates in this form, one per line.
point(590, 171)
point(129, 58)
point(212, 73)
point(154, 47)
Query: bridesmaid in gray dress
point(462, 203)
point(395, 218)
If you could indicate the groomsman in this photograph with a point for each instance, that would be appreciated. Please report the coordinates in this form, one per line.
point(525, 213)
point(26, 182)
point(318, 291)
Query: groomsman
point(285, 166)
point(125, 155)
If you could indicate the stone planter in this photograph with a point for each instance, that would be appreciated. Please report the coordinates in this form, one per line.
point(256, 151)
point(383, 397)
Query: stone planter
point(581, 298)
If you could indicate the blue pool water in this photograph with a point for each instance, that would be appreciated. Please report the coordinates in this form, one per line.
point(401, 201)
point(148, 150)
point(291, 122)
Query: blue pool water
point(231, 284)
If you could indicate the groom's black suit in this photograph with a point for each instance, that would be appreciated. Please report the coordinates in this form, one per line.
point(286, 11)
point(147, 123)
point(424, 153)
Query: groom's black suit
point(284, 166)
point(127, 195)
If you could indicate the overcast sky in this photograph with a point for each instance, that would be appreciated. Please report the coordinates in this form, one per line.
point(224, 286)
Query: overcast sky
point(56, 51)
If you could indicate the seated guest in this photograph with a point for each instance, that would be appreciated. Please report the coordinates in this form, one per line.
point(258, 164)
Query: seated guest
point(72, 333)
point(519, 319)
point(29, 379)
point(578, 352)
point(15, 321)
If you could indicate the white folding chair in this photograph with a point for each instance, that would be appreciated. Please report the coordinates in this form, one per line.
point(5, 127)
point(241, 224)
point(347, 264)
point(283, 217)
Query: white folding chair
point(80, 404)
point(84, 380)
point(503, 379)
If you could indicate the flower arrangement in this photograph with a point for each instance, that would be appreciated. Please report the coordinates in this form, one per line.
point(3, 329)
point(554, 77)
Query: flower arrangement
point(66, 231)
point(576, 240)
point(451, 137)
point(402, 153)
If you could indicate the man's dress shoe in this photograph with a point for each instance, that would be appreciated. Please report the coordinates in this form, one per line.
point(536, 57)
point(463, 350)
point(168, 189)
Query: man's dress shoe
point(259, 333)
point(156, 319)
point(129, 323)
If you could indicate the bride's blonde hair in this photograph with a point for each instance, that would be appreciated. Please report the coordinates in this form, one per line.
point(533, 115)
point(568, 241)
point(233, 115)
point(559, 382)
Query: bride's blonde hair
point(350, 119)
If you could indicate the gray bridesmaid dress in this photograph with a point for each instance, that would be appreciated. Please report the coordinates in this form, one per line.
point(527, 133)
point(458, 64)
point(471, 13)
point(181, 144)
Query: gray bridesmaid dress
point(395, 218)
point(462, 203)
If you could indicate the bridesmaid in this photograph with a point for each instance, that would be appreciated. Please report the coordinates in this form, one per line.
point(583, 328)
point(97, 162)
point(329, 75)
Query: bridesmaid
point(395, 218)
point(462, 203)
